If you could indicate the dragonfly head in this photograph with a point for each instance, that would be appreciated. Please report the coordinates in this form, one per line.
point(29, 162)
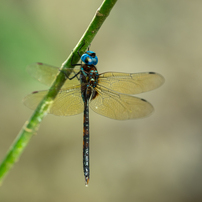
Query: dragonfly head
point(89, 58)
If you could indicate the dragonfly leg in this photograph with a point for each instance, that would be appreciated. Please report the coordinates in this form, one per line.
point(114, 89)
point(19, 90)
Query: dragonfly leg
point(89, 47)
point(78, 52)
point(67, 77)
point(74, 65)
point(75, 75)
point(81, 48)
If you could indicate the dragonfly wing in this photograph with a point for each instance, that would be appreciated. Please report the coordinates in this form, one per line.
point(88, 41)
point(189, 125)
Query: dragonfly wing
point(46, 74)
point(133, 83)
point(119, 106)
point(67, 102)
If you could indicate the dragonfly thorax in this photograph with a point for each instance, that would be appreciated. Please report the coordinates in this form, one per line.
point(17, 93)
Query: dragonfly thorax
point(89, 80)
point(89, 75)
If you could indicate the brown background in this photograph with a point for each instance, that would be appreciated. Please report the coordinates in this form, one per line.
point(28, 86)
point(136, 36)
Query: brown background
point(156, 159)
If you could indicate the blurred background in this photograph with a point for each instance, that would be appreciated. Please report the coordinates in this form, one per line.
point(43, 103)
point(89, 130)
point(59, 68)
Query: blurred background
point(158, 158)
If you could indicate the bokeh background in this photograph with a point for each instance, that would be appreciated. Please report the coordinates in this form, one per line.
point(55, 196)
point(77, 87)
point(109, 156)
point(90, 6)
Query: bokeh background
point(156, 159)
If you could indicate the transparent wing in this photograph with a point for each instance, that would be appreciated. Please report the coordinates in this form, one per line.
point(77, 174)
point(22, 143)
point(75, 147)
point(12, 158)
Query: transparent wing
point(46, 74)
point(119, 106)
point(133, 83)
point(68, 101)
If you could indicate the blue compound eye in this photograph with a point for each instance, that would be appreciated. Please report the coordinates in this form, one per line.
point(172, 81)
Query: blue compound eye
point(89, 58)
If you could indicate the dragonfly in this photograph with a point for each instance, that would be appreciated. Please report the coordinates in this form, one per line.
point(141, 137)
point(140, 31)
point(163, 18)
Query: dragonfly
point(109, 94)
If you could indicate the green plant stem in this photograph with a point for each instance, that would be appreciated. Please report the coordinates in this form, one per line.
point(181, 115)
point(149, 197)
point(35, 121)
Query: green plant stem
point(30, 128)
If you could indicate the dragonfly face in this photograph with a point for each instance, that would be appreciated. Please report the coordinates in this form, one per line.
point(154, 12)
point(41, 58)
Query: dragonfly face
point(89, 58)
point(109, 94)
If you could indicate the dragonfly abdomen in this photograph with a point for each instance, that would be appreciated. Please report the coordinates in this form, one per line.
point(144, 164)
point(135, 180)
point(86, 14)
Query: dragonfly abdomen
point(86, 168)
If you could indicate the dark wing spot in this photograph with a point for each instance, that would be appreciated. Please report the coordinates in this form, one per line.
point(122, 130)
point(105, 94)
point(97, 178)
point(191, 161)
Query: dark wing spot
point(39, 63)
point(143, 100)
point(35, 92)
point(152, 72)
